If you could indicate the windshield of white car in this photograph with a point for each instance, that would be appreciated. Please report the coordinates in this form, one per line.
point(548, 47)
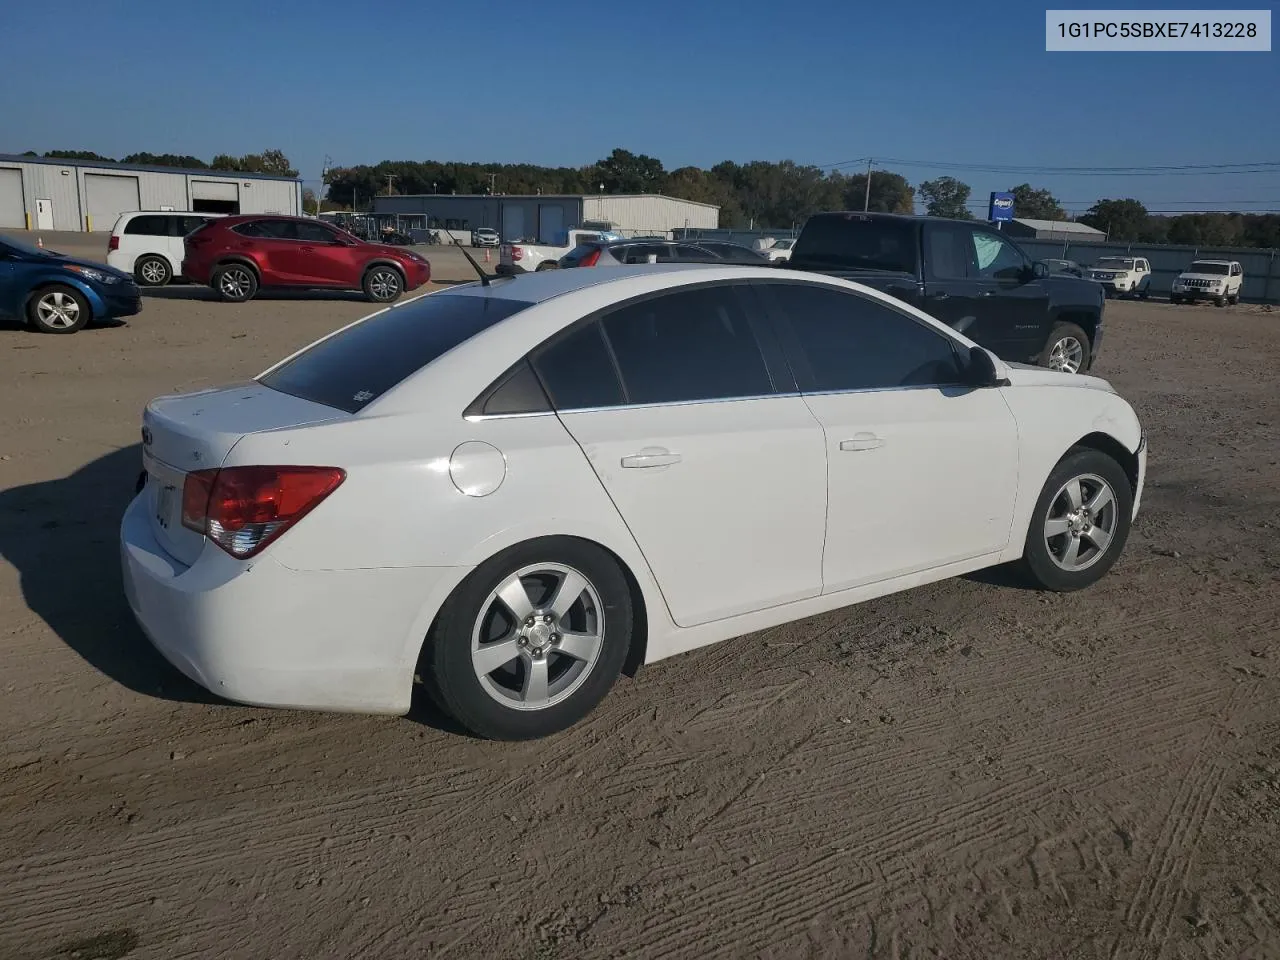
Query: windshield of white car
point(1115, 263)
point(357, 365)
point(1202, 267)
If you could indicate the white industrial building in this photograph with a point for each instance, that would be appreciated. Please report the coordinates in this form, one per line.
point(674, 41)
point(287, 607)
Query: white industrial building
point(44, 193)
point(544, 218)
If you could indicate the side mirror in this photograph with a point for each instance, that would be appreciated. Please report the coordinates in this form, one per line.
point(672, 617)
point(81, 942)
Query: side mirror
point(1039, 270)
point(980, 371)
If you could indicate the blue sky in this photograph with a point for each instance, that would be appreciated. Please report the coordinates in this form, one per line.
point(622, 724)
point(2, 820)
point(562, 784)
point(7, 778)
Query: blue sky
point(690, 83)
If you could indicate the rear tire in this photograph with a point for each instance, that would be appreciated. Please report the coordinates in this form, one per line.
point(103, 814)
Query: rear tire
point(152, 271)
point(234, 282)
point(1062, 551)
point(382, 284)
point(1233, 300)
point(1067, 349)
point(538, 689)
point(58, 309)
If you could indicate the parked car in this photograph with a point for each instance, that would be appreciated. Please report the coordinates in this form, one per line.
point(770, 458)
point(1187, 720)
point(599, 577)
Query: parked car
point(617, 253)
point(484, 237)
point(779, 250)
point(966, 274)
point(1216, 280)
point(148, 243)
point(521, 257)
point(54, 293)
point(1121, 275)
point(513, 489)
point(240, 255)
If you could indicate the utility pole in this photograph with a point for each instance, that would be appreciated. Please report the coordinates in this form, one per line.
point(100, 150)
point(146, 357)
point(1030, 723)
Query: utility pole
point(324, 181)
point(492, 178)
point(390, 177)
point(866, 203)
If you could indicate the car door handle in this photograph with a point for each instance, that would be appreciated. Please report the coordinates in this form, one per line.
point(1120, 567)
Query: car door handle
point(651, 458)
point(863, 441)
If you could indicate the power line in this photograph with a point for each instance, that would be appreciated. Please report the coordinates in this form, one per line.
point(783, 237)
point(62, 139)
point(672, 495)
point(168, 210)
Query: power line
point(1185, 169)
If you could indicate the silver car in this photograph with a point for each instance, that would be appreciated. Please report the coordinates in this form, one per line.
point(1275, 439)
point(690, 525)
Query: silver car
point(647, 250)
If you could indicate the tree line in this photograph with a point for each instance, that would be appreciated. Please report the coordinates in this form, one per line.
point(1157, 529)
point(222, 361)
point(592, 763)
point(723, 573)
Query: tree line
point(268, 161)
point(758, 194)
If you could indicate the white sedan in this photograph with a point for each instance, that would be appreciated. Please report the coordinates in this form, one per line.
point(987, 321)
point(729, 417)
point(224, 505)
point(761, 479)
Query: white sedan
point(522, 488)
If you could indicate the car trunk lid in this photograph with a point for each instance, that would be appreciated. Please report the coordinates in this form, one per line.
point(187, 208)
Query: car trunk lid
point(196, 431)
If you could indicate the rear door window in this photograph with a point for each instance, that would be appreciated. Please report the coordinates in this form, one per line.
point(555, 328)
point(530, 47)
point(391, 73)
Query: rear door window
point(354, 367)
point(148, 226)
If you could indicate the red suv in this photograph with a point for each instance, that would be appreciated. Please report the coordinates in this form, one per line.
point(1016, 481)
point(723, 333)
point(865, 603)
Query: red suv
point(237, 256)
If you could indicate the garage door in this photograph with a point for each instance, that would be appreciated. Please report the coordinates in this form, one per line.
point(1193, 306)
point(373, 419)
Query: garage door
point(512, 223)
point(109, 196)
point(215, 196)
point(550, 223)
point(13, 213)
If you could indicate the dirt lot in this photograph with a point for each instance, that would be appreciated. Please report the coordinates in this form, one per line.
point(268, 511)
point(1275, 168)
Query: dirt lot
point(971, 770)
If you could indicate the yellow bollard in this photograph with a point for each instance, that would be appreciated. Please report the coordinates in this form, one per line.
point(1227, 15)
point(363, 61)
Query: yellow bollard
point(88, 222)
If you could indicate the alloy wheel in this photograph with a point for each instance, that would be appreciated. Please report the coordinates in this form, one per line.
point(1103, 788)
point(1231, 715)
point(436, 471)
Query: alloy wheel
point(538, 636)
point(1067, 355)
point(58, 310)
point(384, 284)
point(153, 271)
point(1081, 523)
point(236, 283)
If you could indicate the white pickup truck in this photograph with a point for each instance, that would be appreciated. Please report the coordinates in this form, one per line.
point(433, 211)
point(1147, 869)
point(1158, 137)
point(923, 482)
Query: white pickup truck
point(516, 258)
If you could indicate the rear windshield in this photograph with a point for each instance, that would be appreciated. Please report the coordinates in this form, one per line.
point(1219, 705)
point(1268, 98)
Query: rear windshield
point(856, 242)
point(353, 368)
point(1201, 267)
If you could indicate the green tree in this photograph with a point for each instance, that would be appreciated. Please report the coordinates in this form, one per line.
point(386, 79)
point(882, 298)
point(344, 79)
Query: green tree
point(946, 197)
point(1033, 204)
point(627, 172)
point(1207, 229)
point(890, 192)
point(76, 155)
point(166, 160)
point(1118, 219)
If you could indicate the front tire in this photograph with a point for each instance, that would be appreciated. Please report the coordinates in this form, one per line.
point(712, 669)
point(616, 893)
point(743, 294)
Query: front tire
point(1067, 349)
point(58, 309)
point(152, 271)
point(382, 284)
point(532, 641)
point(1080, 523)
point(234, 282)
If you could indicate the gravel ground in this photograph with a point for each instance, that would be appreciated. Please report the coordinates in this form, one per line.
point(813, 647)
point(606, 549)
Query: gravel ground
point(967, 770)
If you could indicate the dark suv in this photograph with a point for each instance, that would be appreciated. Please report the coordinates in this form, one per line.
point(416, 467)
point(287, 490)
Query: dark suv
point(238, 256)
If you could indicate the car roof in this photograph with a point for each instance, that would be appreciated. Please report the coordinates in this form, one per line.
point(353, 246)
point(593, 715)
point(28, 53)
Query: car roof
point(1208, 260)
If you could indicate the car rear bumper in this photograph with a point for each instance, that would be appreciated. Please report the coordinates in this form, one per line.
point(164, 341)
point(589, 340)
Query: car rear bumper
point(261, 633)
point(195, 271)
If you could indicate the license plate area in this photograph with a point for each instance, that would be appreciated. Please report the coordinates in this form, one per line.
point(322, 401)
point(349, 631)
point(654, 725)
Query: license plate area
point(165, 487)
point(165, 499)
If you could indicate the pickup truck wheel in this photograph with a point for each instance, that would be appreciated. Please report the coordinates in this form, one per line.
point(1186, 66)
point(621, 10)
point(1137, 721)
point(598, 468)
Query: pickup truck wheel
point(546, 265)
point(1067, 349)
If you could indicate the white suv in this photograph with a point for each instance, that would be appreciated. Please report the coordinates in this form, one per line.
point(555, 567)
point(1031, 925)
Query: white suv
point(1121, 275)
point(148, 243)
point(1216, 280)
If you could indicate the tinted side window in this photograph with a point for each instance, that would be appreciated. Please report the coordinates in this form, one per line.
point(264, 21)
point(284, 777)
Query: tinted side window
point(314, 233)
point(150, 226)
point(687, 345)
point(639, 252)
point(577, 370)
point(254, 228)
point(850, 342)
point(949, 251)
point(187, 224)
point(352, 368)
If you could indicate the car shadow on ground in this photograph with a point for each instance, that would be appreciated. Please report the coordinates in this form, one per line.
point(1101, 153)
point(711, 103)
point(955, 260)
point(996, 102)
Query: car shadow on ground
point(196, 292)
point(63, 538)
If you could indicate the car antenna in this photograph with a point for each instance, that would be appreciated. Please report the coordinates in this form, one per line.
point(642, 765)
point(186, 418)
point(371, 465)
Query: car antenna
point(484, 277)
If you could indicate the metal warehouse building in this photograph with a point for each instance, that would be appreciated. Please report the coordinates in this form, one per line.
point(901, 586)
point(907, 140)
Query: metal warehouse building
point(1022, 228)
point(544, 218)
point(40, 193)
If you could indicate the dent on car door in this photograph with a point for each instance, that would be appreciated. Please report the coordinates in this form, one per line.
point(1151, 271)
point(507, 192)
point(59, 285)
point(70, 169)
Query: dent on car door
point(922, 470)
point(721, 481)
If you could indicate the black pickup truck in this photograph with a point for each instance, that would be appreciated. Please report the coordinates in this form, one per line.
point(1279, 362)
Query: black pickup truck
point(966, 274)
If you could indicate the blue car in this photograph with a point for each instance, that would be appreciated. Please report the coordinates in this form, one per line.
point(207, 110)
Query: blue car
point(54, 293)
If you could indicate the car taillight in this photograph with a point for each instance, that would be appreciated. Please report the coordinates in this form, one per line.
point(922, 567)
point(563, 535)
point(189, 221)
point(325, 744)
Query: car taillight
point(591, 259)
point(113, 243)
point(517, 253)
point(242, 509)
